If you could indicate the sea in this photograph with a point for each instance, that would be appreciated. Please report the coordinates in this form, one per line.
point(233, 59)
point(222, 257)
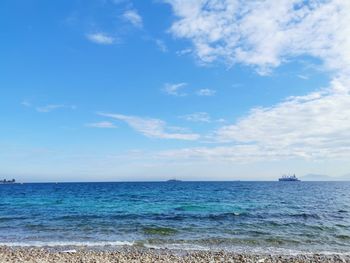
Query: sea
point(254, 217)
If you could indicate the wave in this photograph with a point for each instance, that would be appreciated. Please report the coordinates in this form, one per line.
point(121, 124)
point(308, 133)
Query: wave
point(67, 243)
point(343, 237)
point(305, 216)
point(258, 250)
point(163, 231)
point(228, 215)
point(188, 215)
point(183, 246)
point(262, 250)
point(10, 218)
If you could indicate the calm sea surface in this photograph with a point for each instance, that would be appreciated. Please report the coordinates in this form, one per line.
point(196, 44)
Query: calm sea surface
point(237, 216)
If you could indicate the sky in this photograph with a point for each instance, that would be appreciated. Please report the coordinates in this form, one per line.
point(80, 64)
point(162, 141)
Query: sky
point(122, 90)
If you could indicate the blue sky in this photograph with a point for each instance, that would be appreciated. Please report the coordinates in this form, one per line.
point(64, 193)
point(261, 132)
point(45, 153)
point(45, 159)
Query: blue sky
point(107, 90)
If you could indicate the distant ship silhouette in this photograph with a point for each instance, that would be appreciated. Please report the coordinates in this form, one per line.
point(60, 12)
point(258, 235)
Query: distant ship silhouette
point(288, 178)
point(7, 181)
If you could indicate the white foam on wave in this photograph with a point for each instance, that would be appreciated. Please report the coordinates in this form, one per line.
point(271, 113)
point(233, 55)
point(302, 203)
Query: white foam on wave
point(184, 246)
point(173, 246)
point(67, 244)
point(243, 250)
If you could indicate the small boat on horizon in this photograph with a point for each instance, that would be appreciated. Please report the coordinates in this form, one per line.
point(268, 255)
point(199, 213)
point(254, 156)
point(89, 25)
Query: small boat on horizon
point(288, 178)
point(7, 181)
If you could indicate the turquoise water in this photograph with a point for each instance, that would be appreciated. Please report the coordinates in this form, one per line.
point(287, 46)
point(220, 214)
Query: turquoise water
point(236, 216)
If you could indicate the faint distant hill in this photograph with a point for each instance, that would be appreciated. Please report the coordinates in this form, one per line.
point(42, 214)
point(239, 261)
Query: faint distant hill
point(344, 177)
point(323, 177)
point(317, 177)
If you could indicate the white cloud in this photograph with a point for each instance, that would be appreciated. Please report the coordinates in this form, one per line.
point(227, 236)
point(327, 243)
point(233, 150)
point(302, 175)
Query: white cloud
point(197, 117)
point(174, 89)
point(133, 17)
point(26, 103)
point(102, 125)
point(52, 107)
point(183, 52)
point(161, 45)
point(206, 92)
point(101, 38)
point(152, 128)
point(48, 107)
point(265, 33)
point(303, 77)
point(313, 126)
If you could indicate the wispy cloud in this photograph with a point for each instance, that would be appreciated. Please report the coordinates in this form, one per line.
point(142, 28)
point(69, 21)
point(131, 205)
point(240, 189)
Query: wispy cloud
point(206, 92)
point(201, 117)
point(48, 107)
point(302, 77)
point(52, 107)
point(183, 52)
point(175, 89)
point(102, 125)
point(197, 117)
point(101, 38)
point(133, 17)
point(26, 103)
point(161, 45)
point(152, 128)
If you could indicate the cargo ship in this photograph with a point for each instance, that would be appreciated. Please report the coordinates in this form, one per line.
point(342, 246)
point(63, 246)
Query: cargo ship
point(288, 178)
point(7, 181)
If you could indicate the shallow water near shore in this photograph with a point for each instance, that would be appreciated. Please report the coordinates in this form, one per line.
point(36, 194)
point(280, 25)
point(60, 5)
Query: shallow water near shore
point(272, 217)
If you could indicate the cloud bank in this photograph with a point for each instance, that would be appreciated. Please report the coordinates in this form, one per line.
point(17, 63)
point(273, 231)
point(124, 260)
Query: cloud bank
point(311, 127)
point(264, 34)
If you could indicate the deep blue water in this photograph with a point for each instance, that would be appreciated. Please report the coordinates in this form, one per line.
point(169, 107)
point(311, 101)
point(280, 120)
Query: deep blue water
point(254, 216)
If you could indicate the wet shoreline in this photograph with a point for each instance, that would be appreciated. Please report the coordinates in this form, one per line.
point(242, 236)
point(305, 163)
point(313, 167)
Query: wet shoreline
point(128, 254)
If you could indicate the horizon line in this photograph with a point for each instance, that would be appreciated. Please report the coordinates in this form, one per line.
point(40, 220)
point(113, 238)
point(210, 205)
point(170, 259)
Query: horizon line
point(167, 181)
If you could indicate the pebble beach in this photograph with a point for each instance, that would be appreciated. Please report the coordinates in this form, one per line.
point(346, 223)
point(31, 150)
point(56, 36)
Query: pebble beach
point(46, 255)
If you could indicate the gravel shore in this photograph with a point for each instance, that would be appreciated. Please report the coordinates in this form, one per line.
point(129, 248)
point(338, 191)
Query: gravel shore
point(44, 255)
